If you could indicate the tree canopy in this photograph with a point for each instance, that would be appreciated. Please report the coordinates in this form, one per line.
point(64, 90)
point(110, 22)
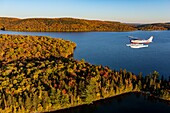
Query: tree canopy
point(61, 25)
point(15, 47)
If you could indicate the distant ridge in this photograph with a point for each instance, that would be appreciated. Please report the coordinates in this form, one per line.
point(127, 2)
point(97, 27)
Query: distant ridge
point(61, 25)
point(74, 25)
point(154, 26)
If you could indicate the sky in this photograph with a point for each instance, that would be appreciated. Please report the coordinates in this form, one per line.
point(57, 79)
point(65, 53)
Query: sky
point(126, 11)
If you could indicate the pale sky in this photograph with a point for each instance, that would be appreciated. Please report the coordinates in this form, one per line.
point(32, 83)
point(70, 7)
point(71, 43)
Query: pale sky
point(129, 11)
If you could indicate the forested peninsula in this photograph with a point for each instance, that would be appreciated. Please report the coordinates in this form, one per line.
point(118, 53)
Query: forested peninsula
point(73, 25)
point(38, 74)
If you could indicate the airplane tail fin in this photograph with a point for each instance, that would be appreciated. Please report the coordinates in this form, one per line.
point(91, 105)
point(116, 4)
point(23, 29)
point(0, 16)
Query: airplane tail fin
point(150, 39)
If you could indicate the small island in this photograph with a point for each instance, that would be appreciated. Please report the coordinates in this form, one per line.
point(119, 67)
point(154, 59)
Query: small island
point(39, 74)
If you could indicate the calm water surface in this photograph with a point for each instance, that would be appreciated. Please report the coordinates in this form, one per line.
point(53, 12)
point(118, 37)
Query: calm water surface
point(109, 49)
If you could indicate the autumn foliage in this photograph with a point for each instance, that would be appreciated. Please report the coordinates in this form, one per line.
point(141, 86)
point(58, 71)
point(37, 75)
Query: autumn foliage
point(42, 82)
point(61, 25)
point(15, 47)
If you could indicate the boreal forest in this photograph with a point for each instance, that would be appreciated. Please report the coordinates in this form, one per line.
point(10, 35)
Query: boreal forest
point(39, 74)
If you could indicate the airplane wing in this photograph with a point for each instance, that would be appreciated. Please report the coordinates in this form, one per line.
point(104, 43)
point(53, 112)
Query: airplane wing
point(134, 38)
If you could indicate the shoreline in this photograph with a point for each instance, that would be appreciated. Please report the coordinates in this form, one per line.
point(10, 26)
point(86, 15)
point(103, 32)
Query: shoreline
point(79, 31)
point(106, 98)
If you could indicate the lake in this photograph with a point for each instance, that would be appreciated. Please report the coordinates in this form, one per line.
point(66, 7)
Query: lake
point(109, 49)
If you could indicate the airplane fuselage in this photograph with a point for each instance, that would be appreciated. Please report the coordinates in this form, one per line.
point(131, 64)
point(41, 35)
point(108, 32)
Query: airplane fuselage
point(140, 41)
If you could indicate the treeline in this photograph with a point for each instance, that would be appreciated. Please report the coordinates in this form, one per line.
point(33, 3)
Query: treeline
point(61, 25)
point(44, 83)
point(156, 26)
point(73, 25)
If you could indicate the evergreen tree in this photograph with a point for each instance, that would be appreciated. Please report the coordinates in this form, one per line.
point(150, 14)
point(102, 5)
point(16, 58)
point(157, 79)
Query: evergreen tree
point(28, 102)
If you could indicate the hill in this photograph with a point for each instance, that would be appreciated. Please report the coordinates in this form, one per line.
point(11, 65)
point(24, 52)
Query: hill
point(14, 47)
point(73, 25)
point(61, 25)
point(155, 26)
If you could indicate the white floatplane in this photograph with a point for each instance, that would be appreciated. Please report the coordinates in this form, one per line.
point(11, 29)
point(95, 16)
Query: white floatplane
point(139, 43)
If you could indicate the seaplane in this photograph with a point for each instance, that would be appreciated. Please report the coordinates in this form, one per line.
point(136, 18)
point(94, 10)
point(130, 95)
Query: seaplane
point(139, 43)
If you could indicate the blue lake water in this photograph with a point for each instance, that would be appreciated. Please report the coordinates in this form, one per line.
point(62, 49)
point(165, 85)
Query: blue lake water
point(109, 49)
